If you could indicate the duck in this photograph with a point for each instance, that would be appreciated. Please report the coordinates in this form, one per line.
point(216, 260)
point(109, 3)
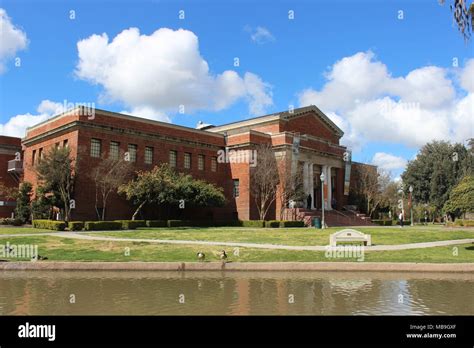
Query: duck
point(38, 258)
point(201, 256)
point(223, 255)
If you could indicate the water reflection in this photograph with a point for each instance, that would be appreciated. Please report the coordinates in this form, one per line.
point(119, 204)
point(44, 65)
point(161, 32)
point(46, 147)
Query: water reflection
point(235, 293)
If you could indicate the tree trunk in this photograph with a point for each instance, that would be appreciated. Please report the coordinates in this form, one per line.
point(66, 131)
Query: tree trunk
point(138, 209)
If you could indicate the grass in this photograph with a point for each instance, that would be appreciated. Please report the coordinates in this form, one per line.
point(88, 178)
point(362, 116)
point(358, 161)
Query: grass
point(296, 236)
point(65, 249)
point(22, 230)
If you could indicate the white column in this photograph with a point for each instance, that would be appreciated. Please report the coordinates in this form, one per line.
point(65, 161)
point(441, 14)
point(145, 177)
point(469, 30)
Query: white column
point(324, 170)
point(305, 181)
point(329, 181)
point(311, 184)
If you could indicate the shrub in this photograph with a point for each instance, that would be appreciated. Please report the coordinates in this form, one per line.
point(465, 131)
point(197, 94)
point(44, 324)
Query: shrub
point(253, 223)
point(272, 223)
point(291, 223)
point(102, 225)
point(131, 224)
point(50, 224)
point(227, 223)
point(156, 223)
point(10, 221)
point(405, 222)
point(75, 225)
point(466, 223)
point(176, 223)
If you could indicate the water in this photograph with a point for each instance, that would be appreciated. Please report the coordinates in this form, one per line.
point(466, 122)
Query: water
point(234, 293)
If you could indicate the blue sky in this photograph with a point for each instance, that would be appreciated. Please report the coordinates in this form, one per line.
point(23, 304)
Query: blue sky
point(282, 62)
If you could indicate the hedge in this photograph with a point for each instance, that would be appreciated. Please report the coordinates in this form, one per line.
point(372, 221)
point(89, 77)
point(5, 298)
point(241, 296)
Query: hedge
point(102, 225)
point(156, 223)
point(405, 222)
point(253, 223)
point(10, 221)
point(50, 224)
point(272, 223)
point(292, 224)
point(461, 222)
point(75, 225)
point(131, 224)
point(383, 222)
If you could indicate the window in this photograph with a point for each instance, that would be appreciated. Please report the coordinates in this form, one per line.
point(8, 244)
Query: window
point(214, 164)
point(65, 144)
point(187, 160)
point(114, 152)
point(56, 145)
point(236, 187)
point(96, 145)
point(201, 162)
point(33, 158)
point(148, 155)
point(132, 152)
point(40, 155)
point(173, 156)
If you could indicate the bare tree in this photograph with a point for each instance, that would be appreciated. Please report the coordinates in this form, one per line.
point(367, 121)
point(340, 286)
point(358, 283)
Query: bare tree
point(264, 179)
point(108, 176)
point(291, 184)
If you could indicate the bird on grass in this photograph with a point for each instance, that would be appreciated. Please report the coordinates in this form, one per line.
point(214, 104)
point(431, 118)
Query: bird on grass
point(201, 256)
point(38, 258)
point(223, 255)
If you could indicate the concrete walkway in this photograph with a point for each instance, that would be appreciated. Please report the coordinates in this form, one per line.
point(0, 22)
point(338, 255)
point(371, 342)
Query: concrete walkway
point(83, 236)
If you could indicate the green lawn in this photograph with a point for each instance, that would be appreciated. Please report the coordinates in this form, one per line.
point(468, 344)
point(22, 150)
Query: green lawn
point(21, 230)
point(65, 249)
point(295, 236)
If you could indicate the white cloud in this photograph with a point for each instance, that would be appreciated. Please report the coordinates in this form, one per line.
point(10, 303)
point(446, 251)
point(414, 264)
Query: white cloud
point(149, 113)
point(12, 40)
point(16, 126)
point(372, 105)
point(388, 162)
point(162, 71)
point(260, 35)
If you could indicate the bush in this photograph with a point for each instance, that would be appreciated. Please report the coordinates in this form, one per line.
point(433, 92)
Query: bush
point(102, 225)
point(253, 223)
point(235, 223)
point(272, 223)
point(291, 223)
point(131, 224)
point(50, 225)
point(405, 222)
point(176, 223)
point(10, 221)
point(156, 223)
point(75, 225)
point(466, 223)
point(383, 222)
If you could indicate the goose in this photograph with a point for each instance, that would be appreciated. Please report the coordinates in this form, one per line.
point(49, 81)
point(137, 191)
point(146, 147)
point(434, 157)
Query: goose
point(223, 255)
point(201, 256)
point(38, 257)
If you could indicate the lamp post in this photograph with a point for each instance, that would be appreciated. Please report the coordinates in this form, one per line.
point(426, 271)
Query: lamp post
point(322, 199)
point(411, 204)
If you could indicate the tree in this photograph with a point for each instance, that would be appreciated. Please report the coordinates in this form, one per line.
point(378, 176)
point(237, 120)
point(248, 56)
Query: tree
point(461, 198)
point(164, 186)
point(291, 185)
point(463, 16)
point(56, 171)
point(23, 210)
point(8, 192)
point(437, 168)
point(41, 206)
point(264, 179)
point(107, 177)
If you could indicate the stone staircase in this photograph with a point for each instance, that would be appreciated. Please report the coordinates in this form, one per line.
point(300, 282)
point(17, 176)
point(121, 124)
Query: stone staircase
point(332, 217)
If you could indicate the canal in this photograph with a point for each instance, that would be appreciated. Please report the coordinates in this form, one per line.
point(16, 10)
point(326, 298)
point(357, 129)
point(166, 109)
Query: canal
point(234, 293)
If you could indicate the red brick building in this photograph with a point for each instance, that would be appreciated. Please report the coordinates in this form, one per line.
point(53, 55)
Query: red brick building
point(10, 172)
point(305, 136)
